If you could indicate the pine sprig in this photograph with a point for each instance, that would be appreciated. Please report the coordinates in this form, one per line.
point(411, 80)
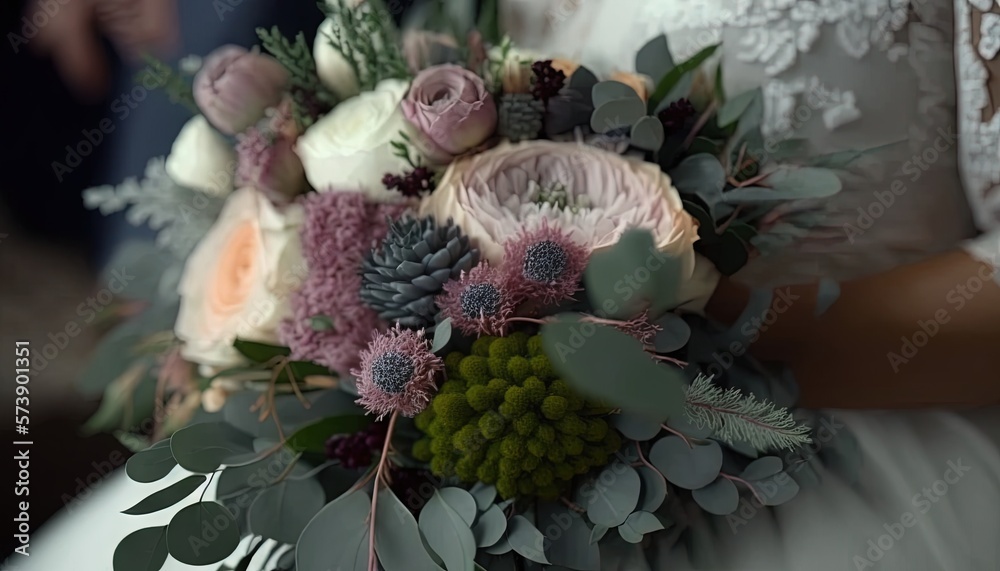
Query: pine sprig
point(366, 37)
point(734, 417)
point(310, 98)
point(177, 86)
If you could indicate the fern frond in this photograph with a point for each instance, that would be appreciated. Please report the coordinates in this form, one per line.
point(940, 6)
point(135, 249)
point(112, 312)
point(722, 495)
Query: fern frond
point(734, 417)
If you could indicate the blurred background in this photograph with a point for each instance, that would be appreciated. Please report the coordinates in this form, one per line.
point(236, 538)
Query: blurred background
point(51, 247)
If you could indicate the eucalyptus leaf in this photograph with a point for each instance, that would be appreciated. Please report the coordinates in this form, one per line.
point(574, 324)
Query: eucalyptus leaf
point(705, 145)
point(674, 75)
point(345, 520)
point(597, 533)
point(653, 490)
point(762, 468)
point(490, 528)
point(805, 182)
point(720, 497)
point(526, 540)
point(499, 548)
point(612, 495)
point(569, 538)
point(442, 334)
point(260, 352)
point(505, 562)
point(732, 109)
point(644, 386)
point(680, 90)
point(152, 464)
point(313, 437)
point(240, 411)
point(448, 534)
point(687, 467)
point(623, 279)
point(643, 522)
point(397, 537)
point(700, 174)
point(635, 427)
point(673, 335)
point(485, 495)
point(582, 82)
point(628, 534)
point(654, 58)
point(168, 496)
point(750, 118)
point(606, 91)
point(202, 448)
point(647, 134)
point(461, 501)
point(202, 534)
point(283, 510)
point(142, 550)
point(616, 114)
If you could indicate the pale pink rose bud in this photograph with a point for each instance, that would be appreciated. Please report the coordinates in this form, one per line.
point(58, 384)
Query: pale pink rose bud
point(236, 86)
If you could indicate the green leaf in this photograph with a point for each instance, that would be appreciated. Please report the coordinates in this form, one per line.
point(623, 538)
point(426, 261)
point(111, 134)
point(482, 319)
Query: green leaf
point(674, 334)
point(641, 386)
point(202, 448)
point(631, 275)
point(608, 91)
point(805, 182)
point(442, 334)
point(321, 323)
point(489, 21)
point(152, 464)
point(244, 564)
point(732, 109)
point(629, 534)
point(142, 550)
point(202, 534)
point(762, 468)
point(303, 369)
point(461, 501)
point(569, 538)
point(397, 537)
point(260, 352)
point(654, 58)
point(701, 174)
point(499, 548)
point(675, 74)
point(635, 427)
point(448, 534)
point(490, 527)
point(688, 467)
point(613, 495)
point(653, 491)
point(616, 114)
point(167, 496)
point(526, 540)
point(647, 134)
point(344, 520)
point(644, 522)
point(485, 495)
point(283, 510)
point(720, 497)
point(706, 145)
point(597, 533)
point(313, 437)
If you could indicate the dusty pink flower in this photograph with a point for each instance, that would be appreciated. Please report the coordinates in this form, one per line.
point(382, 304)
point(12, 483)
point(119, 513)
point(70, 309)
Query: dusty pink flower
point(479, 302)
point(452, 111)
point(397, 373)
point(267, 159)
point(236, 86)
point(544, 265)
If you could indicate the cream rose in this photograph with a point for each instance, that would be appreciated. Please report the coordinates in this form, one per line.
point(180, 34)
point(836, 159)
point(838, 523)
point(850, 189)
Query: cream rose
point(349, 149)
point(334, 71)
point(239, 279)
point(593, 194)
point(202, 159)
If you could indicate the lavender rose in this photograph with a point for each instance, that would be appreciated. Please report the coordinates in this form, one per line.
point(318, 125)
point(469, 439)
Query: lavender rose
point(452, 111)
point(236, 86)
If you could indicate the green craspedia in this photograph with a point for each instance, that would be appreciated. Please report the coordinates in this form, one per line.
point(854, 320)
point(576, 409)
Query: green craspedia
point(467, 438)
point(509, 468)
point(546, 433)
point(596, 430)
point(487, 472)
point(571, 424)
point(481, 346)
point(494, 452)
point(526, 424)
point(554, 407)
point(452, 411)
point(498, 368)
point(556, 453)
point(612, 441)
point(536, 447)
point(452, 362)
point(575, 403)
point(504, 349)
point(542, 368)
point(518, 369)
point(507, 486)
point(475, 370)
point(422, 450)
point(423, 420)
point(466, 469)
point(535, 347)
point(563, 471)
point(520, 340)
point(543, 476)
point(534, 390)
point(580, 465)
point(573, 445)
point(480, 398)
point(530, 463)
point(452, 387)
point(513, 447)
point(518, 400)
point(560, 388)
point(525, 487)
point(492, 425)
point(440, 445)
point(498, 388)
point(595, 455)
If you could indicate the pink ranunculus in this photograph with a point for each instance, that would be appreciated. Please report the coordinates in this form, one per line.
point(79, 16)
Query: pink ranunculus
point(235, 87)
point(451, 110)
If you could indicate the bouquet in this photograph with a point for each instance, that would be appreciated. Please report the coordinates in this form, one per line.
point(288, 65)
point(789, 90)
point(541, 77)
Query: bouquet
point(427, 301)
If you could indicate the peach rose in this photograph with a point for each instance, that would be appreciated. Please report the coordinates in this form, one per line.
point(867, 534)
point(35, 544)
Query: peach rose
point(238, 280)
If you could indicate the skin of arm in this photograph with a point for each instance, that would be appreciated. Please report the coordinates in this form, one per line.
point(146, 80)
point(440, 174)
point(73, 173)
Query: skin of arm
point(921, 335)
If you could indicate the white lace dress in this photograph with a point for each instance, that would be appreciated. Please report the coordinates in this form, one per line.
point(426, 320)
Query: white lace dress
point(846, 74)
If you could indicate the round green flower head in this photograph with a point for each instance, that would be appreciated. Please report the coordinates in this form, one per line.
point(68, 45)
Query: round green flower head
point(505, 418)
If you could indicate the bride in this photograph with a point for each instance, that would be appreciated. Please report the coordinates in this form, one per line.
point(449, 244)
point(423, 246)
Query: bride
point(914, 323)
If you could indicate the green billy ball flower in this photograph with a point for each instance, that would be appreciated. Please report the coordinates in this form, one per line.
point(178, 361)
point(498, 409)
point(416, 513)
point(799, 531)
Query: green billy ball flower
point(555, 407)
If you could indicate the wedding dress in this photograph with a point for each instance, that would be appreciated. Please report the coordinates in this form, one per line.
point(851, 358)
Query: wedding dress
point(847, 74)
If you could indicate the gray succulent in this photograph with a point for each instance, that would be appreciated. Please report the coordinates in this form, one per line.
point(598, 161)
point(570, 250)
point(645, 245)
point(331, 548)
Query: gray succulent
point(521, 117)
point(401, 278)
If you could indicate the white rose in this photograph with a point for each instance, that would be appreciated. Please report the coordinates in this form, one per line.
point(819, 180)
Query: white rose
point(202, 159)
point(239, 279)
point(349, 149)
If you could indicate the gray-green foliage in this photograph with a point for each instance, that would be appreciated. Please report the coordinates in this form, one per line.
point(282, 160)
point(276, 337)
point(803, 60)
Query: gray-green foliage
point(366, 37)
point(309, 96)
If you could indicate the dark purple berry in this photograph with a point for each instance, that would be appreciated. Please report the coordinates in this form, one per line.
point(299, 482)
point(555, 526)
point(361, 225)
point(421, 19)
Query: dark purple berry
point(549, 81)
point(675, 116)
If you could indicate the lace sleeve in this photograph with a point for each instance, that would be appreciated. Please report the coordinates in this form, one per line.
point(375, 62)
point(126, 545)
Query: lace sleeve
point(977, 25)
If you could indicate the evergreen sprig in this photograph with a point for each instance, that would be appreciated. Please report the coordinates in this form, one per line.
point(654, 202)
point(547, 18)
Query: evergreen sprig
point(734, 417)
point(177, 86)
point(401, 149)
point(310, 98)
point(366, 37)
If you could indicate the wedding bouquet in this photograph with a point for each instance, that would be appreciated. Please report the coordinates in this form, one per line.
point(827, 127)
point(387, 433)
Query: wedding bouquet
point(432, 302)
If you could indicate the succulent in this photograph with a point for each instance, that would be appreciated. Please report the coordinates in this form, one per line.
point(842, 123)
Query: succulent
point(401, 277)
point(521, 116)
point(505, 418)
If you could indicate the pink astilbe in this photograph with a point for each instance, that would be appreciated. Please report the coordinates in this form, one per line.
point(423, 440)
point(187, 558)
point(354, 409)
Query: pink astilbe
point(397, 373)
point(340, 229)
point(544, 265)
point(479, 302)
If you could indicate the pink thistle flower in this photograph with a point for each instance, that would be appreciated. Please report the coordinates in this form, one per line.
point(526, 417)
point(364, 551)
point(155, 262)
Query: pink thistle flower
point(479, 302)
point(544, 264)
point(397, 373)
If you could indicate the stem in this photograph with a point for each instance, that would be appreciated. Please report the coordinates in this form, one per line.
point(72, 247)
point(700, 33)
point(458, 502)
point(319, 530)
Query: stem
point(677, 362)
point(642, 458)
point(288, 470)
point(754, 180)
point(730, 220)
point(571, 505)
point(753, 490)
point(675, 433)
point(528, 320)
point(701, 123)
point(382, 461)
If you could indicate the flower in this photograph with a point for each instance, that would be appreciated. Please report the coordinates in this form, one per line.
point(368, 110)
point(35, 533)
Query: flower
point(544, 264)
point(397, 373)
point(239, 278)
point(267, 159)
point(548, 82)
point(201, 158)
point(479, 302)
point(591, 194)
point(339, 230)
point(515, 69)
point(334, 71)
point(236, 86)
point(675, 115)
point(422, 49)
point(451, 109)
point(637, 82)
point(350, 148)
